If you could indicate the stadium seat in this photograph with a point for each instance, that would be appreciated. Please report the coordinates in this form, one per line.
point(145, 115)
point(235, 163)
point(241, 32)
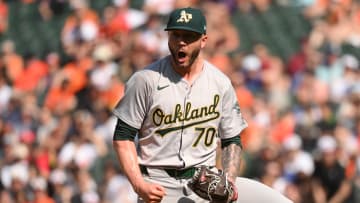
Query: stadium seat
point(136, 4)
point(296, 23)
point(277, 28)
point(245, 40)
point(28, 12)
point(100, 5)
point(350, 49)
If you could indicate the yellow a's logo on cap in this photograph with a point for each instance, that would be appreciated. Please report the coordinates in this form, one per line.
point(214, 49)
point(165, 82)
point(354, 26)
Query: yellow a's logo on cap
point(184, 17)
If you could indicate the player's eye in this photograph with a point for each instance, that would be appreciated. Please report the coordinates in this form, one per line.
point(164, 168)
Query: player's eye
point(176, 35)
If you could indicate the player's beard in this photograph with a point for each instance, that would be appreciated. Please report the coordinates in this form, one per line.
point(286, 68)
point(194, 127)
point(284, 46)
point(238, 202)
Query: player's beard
point(189, 62)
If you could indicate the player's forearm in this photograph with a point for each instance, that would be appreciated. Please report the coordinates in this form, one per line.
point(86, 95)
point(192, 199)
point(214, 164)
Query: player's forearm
point(127, 156)
point(231, 160)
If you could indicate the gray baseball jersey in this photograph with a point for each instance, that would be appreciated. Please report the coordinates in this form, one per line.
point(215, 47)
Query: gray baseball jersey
point(179, 123)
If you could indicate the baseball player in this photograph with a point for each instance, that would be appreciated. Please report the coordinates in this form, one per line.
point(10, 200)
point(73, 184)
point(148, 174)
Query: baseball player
point(178, 106)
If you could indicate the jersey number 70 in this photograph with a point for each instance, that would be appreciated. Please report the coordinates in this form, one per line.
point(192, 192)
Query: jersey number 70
point(208, 133)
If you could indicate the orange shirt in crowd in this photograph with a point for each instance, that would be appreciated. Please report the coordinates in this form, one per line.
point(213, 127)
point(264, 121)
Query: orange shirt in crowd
point(113, 94)
point(3, 16)
point(244, 97)
point(14, 65)
point(28, 1)
point(88, 15)
point(85, 64)
point(58, 98)
point(32, 74)
point(326, 3)
point(76, 77)
point(247, 135)
point(283, 129)
point(117, 25)
point(43, 198)
point(350, 169)
point(222, 61)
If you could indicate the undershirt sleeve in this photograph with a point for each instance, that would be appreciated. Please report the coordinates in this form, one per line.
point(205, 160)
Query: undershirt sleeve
point(124, 132)
point(233, 140)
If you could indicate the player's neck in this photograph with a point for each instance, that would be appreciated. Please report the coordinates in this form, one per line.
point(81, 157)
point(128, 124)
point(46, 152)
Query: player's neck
point(192, 72)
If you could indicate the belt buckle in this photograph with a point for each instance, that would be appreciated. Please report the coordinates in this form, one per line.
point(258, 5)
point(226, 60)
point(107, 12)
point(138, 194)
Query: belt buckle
point(179, 173)
point(176, 174)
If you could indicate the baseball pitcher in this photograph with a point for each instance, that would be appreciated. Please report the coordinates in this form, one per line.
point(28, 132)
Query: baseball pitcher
point(179, 106)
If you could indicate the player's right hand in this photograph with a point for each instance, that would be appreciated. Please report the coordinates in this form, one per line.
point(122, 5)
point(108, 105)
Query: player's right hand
point(235, 194)
point(151, 192)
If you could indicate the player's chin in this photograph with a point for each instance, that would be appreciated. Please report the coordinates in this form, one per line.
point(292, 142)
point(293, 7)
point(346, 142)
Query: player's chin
point(183, 65)
point(183, 62)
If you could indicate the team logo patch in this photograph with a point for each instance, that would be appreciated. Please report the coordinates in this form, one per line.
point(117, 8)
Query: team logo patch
point(184, 17)
point(236, 107)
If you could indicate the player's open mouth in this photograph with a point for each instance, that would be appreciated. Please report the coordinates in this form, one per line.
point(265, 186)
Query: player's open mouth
point(181, 56)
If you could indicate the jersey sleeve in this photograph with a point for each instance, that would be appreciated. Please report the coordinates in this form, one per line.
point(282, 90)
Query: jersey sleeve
point(133, 106)
point(232, 121)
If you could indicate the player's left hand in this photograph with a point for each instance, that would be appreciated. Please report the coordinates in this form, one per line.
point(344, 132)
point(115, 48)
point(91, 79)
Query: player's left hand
point(213, 184)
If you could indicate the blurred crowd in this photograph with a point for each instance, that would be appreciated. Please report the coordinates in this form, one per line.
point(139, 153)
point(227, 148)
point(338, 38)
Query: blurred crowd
point(56, 124)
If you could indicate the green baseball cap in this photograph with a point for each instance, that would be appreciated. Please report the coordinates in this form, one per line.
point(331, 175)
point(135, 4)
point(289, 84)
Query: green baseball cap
point(190, 19)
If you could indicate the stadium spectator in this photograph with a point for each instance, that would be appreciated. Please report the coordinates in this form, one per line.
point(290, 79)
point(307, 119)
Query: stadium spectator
point(5, 92)
point(330, 184)
point(39, 187)
point(13, 62)
point(297, 162)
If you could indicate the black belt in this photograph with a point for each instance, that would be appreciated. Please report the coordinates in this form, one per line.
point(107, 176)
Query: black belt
point(175, 173)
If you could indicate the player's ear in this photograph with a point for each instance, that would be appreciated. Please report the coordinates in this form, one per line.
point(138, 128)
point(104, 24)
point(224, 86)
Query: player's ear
point(203, 40)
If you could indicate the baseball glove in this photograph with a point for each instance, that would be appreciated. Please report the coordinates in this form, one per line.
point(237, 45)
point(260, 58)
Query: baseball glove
point(211, 185)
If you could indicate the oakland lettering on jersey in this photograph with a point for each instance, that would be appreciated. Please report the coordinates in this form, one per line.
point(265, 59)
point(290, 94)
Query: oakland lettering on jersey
point(208, 112)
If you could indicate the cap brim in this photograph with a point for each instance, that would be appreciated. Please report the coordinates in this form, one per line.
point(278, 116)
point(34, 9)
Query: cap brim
point(183, 28)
